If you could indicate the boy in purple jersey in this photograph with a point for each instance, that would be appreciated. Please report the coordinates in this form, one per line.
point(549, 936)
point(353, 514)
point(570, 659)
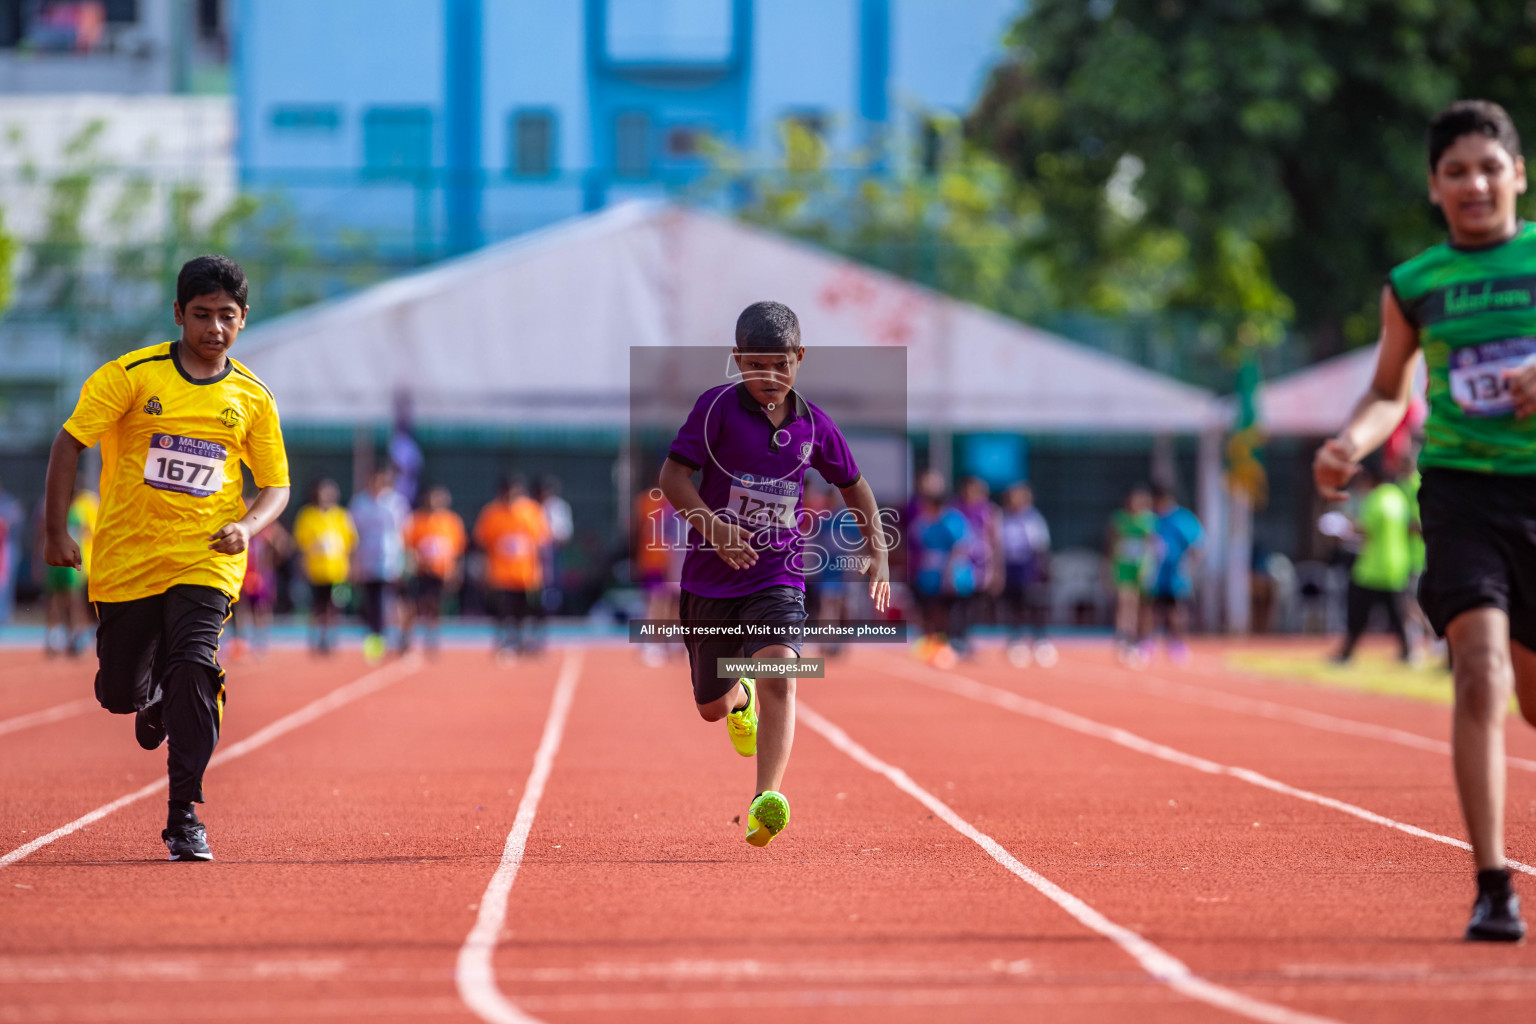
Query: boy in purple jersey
point(746, 561)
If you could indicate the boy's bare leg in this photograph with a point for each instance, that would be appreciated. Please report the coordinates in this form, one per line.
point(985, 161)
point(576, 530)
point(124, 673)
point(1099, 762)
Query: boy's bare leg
point(776, 722)
point(1484, 679)
point(1524, 661)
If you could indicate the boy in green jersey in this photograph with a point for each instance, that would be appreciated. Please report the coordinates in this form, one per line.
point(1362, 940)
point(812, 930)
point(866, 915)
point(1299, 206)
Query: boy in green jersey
point(1470, 306)
point(1130, 533)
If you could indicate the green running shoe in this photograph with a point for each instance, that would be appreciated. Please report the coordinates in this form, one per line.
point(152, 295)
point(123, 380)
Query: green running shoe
point(766, 817)
point(742, 724)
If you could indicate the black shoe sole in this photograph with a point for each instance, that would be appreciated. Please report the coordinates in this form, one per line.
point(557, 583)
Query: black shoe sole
point(1508, 938)
point(195, 858)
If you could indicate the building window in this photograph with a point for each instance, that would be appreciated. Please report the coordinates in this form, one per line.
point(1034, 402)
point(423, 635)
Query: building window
point(685, 142)
point(937, 138)
point(306, 117)
point(670, 31)
point(632, 144)
point(397, 141)
point(210, 19)
point(531, 143)
point(813, 122)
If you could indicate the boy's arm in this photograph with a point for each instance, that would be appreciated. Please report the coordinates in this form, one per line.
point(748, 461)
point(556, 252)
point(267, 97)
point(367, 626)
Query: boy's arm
point(236, 537)
point(1381, 409)
point(730, 541)
point(860, 497)
point(59, 548)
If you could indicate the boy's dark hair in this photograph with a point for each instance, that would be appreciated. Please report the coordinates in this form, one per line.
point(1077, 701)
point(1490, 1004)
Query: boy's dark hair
point(209, 275)
point(767, 327)
point(1471, 117)
point(1161, 491)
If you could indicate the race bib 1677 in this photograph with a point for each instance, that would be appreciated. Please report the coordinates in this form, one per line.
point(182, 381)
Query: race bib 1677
point(1477, 375)
point(185, 464)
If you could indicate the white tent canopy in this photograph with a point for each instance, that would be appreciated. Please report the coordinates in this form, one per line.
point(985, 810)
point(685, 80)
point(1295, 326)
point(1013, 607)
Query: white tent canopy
point(537, 331)
point(1315, 401)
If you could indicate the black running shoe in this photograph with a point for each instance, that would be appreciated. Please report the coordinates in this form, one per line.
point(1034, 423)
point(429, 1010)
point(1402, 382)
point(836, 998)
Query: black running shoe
point(1496, 918)
point(149, 726)
point(187, 842)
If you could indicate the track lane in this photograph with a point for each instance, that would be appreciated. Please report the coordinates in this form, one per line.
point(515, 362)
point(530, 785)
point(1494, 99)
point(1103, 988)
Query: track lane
point(60, 770)
point(1273, 908)
point(637, 896)
point(350, 856)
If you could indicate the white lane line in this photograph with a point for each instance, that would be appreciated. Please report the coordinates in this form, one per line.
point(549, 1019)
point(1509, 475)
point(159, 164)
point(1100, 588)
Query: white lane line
point(361, 687)
point(1209, 697)
point(965, 686)
point(1159, 963)
point(474, 973)
point(57, 713)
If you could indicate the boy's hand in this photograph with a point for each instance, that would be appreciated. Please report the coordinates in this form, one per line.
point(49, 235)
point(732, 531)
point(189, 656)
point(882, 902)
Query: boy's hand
point(61, 551)
point(231, 540)
point(1333, 467)
point(733, 544)
point(1522, 388)
point(878, 569)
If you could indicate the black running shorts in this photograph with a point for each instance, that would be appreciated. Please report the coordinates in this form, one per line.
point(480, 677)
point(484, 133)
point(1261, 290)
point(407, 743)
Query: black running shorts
point(778, 605)
point(1480, 548)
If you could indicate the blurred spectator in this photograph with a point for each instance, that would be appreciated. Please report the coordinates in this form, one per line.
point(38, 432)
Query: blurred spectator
point(940, 538)
point(659, 543)
point(975, 503)
point(513, 530)
point(67, 616)
point(1130, 548)
point(379, 514)
point(434, 540)
point(1379, 576)
point(1177, 543)
point(252, 614)
point(1025, 544)
point(324, 534)
point(557, 512)
point(12, 519)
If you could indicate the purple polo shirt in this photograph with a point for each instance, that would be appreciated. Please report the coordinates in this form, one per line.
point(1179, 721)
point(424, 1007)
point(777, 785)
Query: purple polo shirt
point(754, 474)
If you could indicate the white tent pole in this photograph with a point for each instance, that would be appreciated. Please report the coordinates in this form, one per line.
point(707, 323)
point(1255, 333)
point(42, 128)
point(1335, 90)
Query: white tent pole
point(1211, 507)
point(941, 445)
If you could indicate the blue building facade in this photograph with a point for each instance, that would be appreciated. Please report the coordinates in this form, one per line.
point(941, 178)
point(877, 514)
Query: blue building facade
point(437, 125)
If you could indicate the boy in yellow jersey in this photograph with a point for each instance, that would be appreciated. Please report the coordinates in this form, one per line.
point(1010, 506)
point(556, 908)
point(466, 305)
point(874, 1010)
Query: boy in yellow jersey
point(324, 533)
point(174, 422)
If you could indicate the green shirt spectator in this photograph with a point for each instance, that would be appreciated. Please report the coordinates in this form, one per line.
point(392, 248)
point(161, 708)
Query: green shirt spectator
point(1385, 557)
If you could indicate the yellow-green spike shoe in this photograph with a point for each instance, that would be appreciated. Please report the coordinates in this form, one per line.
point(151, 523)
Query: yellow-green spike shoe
point(742, 724)
point(767, 817)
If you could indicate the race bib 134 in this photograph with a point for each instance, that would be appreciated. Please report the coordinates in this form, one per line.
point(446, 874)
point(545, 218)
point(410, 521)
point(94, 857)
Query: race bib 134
point(1477, 375)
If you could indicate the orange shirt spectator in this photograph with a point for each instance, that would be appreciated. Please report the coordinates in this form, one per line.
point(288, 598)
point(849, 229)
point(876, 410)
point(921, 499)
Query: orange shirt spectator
point(436, 540)
point(512, 529)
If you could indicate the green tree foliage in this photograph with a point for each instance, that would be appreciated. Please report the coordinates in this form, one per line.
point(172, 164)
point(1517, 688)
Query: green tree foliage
point(1280, 141)
point(113, 239)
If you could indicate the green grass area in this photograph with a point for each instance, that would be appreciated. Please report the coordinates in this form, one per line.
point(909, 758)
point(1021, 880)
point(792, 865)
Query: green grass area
point(1368, 672)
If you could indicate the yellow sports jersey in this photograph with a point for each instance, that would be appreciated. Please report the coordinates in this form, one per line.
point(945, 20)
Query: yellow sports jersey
point(82, 522)
point(171, 447)
point(327, 537)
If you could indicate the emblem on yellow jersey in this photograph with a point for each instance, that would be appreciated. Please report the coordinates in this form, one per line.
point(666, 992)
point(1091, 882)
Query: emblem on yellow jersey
point(152, 407)
point(229, 417)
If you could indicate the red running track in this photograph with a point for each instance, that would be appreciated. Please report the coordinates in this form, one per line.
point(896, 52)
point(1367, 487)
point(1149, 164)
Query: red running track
point(356, 843)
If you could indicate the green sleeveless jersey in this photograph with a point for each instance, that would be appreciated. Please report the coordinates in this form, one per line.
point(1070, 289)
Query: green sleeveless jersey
point(1475, 311)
